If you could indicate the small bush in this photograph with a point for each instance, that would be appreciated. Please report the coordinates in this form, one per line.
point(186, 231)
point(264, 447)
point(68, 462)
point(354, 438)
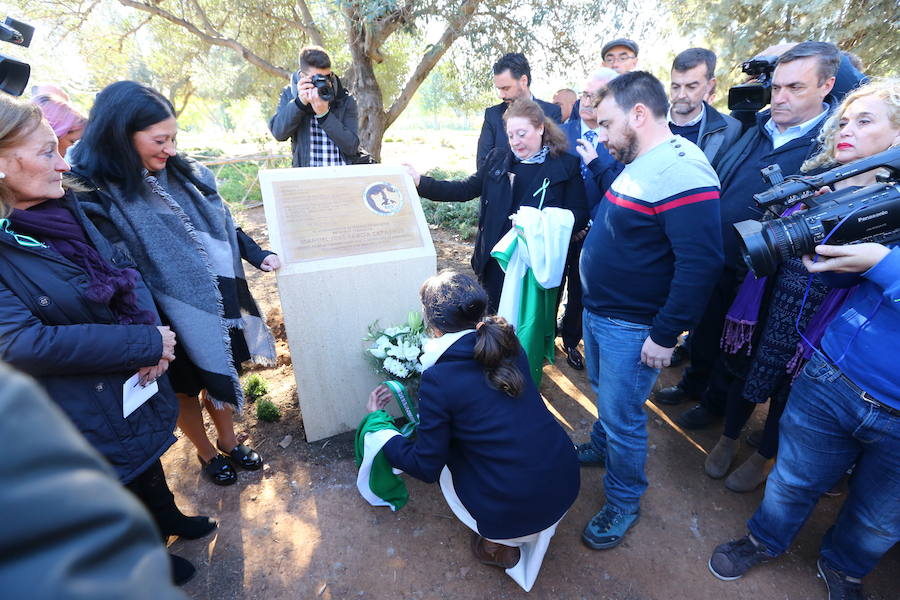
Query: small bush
point(255, 387)
point(267, 411)
point(460, 217)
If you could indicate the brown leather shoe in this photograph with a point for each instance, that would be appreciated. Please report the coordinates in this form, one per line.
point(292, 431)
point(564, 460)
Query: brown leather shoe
point(494, 554)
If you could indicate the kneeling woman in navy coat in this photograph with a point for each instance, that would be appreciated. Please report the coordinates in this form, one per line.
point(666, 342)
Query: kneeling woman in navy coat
point(506, 467)
point(78, 320)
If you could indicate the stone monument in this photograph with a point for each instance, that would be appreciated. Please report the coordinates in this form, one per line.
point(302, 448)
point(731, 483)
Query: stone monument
point(355, 248)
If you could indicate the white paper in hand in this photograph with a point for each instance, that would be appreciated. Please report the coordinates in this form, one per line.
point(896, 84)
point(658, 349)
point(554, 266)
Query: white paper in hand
point(133, 395)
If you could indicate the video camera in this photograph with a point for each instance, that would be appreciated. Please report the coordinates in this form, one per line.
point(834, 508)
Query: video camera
point(14, 73)
point(754, 95)
point(867, 214)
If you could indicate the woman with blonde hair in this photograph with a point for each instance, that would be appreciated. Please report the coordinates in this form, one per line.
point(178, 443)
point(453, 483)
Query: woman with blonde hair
point(771, 352)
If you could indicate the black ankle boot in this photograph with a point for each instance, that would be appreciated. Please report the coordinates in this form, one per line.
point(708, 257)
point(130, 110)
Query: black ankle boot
point(182, 569)
point(189, 528)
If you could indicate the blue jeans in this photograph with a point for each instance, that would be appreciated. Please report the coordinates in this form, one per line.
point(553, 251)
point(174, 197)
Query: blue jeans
point(825, 429)
point(612, 351)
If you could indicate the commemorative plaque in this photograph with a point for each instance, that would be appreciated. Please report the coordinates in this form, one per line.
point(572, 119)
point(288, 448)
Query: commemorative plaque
point(355, 248)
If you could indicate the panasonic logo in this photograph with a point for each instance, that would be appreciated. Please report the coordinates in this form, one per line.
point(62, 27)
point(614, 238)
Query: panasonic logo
point(872, 216)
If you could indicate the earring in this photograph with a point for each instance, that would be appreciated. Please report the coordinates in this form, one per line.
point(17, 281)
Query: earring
point(2, 175)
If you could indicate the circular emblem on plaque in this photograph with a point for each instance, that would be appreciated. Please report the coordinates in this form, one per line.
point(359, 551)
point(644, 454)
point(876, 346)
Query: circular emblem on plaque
point(383, 198)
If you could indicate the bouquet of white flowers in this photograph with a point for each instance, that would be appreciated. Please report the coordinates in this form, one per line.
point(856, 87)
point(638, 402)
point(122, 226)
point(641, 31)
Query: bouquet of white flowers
point(395, 351)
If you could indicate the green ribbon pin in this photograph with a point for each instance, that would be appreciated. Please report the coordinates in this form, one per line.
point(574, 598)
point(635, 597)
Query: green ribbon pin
point(542, 191)
point(23, 240)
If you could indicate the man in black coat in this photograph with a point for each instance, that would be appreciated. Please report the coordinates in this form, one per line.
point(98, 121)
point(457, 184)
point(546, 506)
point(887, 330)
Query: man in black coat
point(512, 78)
point(785, 135)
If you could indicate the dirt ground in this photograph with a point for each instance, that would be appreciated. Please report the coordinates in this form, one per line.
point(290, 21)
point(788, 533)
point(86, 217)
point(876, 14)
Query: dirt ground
point(299, 529)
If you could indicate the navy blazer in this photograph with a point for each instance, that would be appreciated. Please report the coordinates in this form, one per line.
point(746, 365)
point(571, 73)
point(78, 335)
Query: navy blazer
point(79, 353)
point(513, 466)
point(493, 131)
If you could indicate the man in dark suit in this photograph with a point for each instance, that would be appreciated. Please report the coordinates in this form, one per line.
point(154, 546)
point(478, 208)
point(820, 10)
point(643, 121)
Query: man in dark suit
point(586, 129)
point(512, 78)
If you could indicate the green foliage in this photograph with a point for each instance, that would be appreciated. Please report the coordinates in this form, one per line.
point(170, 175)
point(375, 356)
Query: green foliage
point(255, 387)
point(740, 29)
point(460, 217)
point(267, 411)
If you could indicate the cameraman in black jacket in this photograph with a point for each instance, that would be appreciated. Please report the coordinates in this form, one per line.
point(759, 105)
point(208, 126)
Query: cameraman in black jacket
point(320, 117)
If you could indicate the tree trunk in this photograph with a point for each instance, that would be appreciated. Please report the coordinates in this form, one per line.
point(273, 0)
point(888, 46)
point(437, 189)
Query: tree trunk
point(364, 86)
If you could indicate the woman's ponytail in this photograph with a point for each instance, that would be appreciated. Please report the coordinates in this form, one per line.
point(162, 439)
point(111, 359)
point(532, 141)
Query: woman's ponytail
point(496, 348)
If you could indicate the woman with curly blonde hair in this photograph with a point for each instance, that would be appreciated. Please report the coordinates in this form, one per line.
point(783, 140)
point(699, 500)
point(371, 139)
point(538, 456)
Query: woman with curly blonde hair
point(876, 110)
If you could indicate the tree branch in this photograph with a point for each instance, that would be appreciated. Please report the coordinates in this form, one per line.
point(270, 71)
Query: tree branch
point(214, 40)
point(309, 25)
point(454, 29)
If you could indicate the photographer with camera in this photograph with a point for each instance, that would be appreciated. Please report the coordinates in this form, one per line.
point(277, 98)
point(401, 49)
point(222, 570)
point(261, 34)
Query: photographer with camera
point(317, 114)
point(784, 135)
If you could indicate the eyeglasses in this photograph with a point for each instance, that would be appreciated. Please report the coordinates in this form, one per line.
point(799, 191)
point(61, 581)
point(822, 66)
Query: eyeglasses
point(619, 59)
point(587, 95)
point(23, 240)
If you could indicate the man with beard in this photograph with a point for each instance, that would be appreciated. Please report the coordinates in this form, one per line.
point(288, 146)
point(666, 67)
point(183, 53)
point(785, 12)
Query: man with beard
point(691, 117)
point(647, 266)
point(512, 78)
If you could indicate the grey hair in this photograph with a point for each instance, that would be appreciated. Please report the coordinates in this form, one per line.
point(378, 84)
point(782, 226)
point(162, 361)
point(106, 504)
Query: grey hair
point(604, 74)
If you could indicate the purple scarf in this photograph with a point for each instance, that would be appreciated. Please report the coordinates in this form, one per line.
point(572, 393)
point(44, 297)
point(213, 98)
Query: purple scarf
point(742, 317)
point(50, 222)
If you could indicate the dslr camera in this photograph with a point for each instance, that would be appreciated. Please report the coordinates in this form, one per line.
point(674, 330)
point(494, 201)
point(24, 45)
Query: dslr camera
point(323, 85)
point(851, 215)
point(754, 95)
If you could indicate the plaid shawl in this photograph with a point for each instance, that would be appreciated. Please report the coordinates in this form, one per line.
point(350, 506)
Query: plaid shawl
point(181, 236)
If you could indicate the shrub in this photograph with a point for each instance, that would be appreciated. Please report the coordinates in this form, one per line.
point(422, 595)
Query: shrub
point(267, 411)
point(460, 217)
point(255, 387)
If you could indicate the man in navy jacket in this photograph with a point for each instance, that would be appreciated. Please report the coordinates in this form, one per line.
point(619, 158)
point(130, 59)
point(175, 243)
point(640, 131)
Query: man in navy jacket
point(512, 78)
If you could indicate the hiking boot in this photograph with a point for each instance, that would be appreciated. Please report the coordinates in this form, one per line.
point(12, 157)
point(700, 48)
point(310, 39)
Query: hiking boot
point(720, 457)
point(588, 456)
point(670, 396)
point(729, 561)
point(697, 417)
point(607, 528)
point(749, 475)
point(840, 586)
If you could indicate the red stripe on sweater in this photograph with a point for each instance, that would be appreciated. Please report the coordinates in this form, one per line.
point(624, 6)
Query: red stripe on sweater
point(647, 210)
point(687, 200)
point(655, 210)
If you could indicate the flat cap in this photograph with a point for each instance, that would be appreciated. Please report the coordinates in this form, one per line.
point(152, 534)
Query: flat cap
point(630, 44)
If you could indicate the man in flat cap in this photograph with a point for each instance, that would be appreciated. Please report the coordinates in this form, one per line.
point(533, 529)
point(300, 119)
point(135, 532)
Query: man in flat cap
point(620, 55)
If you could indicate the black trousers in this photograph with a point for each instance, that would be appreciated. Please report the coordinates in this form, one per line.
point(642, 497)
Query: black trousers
point(152, 490)
point(706, 379)
point(571, 327)
point(491, 279)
